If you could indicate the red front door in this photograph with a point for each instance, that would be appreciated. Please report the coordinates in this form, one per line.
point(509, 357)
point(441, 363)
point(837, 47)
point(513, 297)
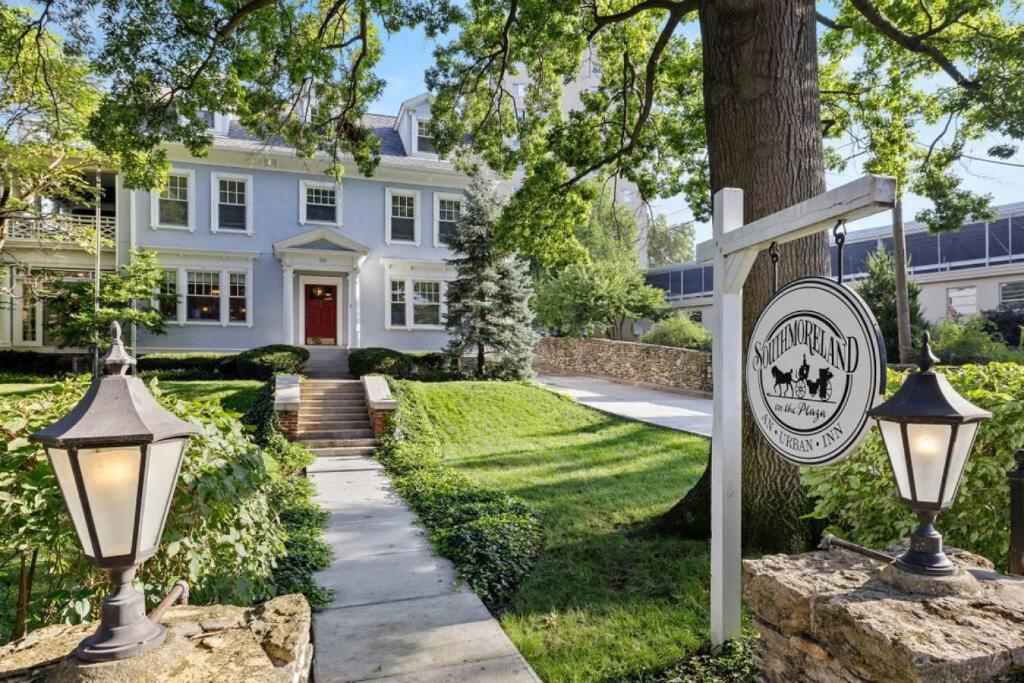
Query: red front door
point(321, 314)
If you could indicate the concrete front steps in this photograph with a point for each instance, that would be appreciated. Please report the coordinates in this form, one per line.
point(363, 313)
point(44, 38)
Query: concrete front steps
point(333, 418)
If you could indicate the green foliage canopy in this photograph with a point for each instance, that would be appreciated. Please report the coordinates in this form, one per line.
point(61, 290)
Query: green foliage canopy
point(679, 331)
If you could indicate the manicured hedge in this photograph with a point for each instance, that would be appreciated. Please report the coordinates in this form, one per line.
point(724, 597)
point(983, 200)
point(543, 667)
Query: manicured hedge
point(418, 364)
point(30, 362)
point(264, 362)
point(188, 365)
point(492, 537)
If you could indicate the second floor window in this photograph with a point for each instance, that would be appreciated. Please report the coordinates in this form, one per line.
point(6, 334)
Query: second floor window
point(202, 301)
point(173, 202)
point(321, 204)
point(403, 217)
point(231, 206)
point(424, 141)
point(448, 212)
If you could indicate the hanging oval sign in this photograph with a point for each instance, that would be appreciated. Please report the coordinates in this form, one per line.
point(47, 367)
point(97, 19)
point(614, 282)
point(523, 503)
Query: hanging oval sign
point(815, 365)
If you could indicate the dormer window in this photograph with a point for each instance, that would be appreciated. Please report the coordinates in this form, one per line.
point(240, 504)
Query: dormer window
point(424, 141)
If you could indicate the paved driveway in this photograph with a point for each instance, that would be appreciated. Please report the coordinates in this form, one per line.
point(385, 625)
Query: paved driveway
point(663, 408)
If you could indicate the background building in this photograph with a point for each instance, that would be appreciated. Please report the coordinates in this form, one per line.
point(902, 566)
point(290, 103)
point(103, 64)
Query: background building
point(977, 268)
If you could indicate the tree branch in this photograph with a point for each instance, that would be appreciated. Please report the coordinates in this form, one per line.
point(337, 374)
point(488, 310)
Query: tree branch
point(830, 23)
point(914, 43)
point(600, 21)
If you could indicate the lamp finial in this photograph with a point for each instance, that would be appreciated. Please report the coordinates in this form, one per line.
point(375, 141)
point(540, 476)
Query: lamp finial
point(927, 359)
point(117, 361)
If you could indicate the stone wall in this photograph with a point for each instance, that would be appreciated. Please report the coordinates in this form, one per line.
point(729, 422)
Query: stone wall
point(834, 616)
point(204, 643)
point(645, 364)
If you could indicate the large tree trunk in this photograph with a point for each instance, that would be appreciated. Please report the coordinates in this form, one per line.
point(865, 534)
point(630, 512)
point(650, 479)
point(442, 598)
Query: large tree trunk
point(761, 105)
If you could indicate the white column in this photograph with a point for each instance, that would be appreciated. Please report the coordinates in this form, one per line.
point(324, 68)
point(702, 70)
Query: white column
point(7, 308)
point(355, 332)
point(727, 428)
point(287, 310)
point(182, 295)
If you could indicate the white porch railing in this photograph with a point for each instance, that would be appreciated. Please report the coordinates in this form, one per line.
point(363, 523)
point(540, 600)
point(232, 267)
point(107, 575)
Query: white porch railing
point(61, 228)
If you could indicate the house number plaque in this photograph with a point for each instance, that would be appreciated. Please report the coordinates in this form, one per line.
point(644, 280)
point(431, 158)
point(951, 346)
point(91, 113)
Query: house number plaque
point(815, 365)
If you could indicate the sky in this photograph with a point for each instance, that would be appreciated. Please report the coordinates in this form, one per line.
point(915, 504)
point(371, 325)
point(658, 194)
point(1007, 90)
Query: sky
point(409, 53)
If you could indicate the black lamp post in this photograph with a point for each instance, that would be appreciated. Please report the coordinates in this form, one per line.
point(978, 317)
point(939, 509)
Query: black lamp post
point(928, 430)
point(116, 456)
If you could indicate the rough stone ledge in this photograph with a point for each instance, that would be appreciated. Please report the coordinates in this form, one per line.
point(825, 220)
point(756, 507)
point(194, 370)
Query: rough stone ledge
point(827, 616)
point(204, 643)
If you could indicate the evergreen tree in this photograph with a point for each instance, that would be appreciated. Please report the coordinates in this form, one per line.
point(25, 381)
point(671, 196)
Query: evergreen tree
point(879, 292)
point(489, 302)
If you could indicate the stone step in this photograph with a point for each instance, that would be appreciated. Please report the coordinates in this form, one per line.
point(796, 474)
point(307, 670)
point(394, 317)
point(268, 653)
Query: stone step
point(338, 402)
point(335, 392)
point(307, 425)
point(364, 442)
point(316, 434)
point(331, 413)
point(340, 452)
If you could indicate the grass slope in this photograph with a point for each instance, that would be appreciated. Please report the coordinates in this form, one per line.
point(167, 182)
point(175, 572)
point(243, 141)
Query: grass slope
point(601, 603)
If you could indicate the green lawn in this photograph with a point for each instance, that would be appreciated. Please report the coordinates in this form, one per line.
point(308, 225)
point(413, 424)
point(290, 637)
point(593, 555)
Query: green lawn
point(602, 603)
point(235, 395)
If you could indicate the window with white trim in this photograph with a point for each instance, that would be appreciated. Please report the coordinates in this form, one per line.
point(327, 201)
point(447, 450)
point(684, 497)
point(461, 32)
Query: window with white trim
point(320, 203)
point(1011, 295)
point(173, 202)
point(426, 303)
point(237, 297)
point(402, 216)
point(961, 301)
point(424, 140)
point(169, 286)
point(397, 306)
point(202, 300)
point(29, 314)
point(448, 211)
point(231, 204)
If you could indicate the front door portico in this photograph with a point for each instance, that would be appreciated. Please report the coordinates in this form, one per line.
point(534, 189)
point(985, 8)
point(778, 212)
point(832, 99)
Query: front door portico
point(323, 266)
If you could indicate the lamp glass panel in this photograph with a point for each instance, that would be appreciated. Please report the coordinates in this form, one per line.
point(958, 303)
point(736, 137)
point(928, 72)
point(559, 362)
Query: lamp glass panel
point(111, 477)
point(892, 435)
point(929, 446)
point(961, 451)
point(66, 478)
point(161, 476)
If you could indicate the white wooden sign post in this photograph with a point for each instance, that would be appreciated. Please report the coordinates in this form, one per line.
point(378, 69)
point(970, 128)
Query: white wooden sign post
point(733, 248)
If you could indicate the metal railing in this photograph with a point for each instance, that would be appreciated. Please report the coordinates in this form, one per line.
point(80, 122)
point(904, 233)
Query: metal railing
point(61, 228)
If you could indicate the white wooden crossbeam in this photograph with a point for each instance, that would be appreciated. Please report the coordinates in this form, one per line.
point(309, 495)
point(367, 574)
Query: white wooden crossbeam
point(865, 196)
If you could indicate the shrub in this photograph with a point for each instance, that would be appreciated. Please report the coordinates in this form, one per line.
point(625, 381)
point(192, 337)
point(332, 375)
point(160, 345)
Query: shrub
point(1008, 324)
point(969, 340)
point(858, 495)
point(30, 362)
point(188, 365)
point(492, 538)
point(264, 362)
point(222, 535)
point(679, 331)
point(380, 361)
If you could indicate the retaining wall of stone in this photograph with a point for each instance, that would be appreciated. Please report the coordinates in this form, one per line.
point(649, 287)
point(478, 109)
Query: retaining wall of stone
point(681, 370)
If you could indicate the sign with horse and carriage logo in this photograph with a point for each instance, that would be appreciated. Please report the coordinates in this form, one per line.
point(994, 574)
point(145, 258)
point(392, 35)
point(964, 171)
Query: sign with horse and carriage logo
point(815, 365)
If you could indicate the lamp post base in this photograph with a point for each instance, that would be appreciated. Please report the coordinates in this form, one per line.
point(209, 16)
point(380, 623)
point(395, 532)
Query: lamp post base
point(925, 555)
point(124, 629)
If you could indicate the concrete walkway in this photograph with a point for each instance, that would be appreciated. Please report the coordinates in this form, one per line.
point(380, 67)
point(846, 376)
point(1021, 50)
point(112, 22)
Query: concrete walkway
point(664, 408)
point(398, 613)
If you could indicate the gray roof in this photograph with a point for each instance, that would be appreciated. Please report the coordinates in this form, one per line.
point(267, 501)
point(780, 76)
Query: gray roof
point(383, 127)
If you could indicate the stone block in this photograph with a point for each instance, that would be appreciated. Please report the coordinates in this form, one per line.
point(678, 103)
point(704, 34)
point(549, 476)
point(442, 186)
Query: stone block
point(830, 616)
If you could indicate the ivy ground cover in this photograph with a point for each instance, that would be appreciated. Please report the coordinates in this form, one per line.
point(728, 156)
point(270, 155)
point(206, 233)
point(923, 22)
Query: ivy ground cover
point(601, 601)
